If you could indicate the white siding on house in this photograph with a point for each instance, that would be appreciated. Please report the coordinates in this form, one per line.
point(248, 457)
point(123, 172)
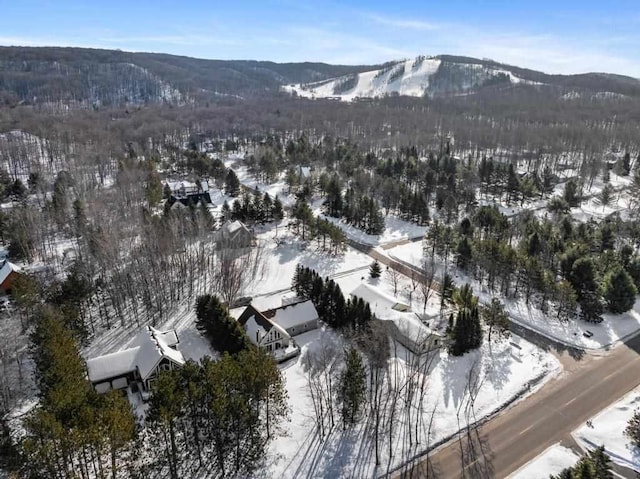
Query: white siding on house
point(296, 318)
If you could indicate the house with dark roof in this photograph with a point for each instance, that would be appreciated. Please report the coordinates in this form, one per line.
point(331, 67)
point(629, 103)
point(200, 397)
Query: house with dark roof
point(273, 329)
point(187, 192)
point(262, 331)
point(151, 351)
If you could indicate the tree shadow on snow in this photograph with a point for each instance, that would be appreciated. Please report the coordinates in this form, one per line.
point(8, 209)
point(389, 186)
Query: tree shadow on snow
point(454, 372)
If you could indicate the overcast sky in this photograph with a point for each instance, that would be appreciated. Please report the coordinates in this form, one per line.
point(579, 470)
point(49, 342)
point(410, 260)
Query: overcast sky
point(554, 36)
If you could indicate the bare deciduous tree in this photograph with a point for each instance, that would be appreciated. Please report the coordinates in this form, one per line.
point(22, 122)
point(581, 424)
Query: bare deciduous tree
point(236, 269)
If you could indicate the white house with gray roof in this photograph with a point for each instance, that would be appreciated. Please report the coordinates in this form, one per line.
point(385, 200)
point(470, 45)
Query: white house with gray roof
point(151, 351)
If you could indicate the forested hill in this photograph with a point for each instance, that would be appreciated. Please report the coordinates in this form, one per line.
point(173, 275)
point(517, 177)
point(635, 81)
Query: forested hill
point(90, 78)
point(94, 77)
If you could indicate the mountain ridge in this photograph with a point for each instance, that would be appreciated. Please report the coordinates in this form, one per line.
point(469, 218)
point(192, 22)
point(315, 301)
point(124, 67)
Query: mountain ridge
point(90, 78)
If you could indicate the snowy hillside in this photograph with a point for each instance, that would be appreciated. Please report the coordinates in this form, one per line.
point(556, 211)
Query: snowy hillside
point(414, 77)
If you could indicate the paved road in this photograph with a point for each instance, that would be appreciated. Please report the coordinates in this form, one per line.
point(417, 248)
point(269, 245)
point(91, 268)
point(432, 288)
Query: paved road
point(503, 444)
point(517, 435)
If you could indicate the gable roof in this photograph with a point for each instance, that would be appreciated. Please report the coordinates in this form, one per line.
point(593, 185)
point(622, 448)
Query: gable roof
point(410, 326)
point(291, 315)
point(233, 227)
point(176, 185)
point(6, 270)
point(112, 365)
point(256, 325)
point(149, 348)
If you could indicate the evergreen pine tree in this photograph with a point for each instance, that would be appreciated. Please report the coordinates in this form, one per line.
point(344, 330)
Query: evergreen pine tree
point(165, 411)
point(352, 388)
point(224, 332)
point(571, 194)
point(619, 291)
point(375, 270)
point(231, 184)
point(277, 211)
point(591, 307)
point(632, 431)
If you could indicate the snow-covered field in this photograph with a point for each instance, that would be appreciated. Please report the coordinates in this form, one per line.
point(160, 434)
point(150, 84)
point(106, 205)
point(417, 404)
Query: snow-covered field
point(499, 375)
point(395, 230)
point(611, 331)
point(608, 429)
point(552, 461)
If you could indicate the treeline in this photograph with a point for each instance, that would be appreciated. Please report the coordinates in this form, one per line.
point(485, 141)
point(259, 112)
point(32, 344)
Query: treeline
point(253, 208)
point(465, 332)
point(215, 417)
point(358, 210)
point(551, 260)
point(329, 301)
point(224, 333)
point(329, 236)
point(72, 431)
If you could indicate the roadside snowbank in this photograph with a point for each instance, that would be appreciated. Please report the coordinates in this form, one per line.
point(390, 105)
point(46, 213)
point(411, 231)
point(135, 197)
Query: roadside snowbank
point(552, 461)
point(608, 429)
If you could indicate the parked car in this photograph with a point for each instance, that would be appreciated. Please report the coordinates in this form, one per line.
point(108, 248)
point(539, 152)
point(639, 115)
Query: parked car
point(587, 334)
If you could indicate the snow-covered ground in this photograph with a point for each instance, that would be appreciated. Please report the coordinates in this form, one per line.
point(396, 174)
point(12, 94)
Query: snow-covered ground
point(282, 252)
point(611, 331)
point(499, 375)
point(552, 461)
point(608, 429)
point(395, 230)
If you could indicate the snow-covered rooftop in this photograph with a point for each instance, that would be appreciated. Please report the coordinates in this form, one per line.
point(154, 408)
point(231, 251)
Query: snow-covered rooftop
point(381, 304)
point(150, 346)
point(233, 226)
point(112, 365)
point(176, 185)
point(257, 325)
point(410, 326)
point(292, 314)
point(6, 270)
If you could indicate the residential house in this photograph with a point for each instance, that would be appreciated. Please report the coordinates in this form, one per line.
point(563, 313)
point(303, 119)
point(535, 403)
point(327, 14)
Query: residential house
point(8, 274)
point(186, 192)
point(273, 329)
point(402, 324)
point(181, 188)
point(138, 366)
point(233, 235)
point(263, 332)
point(296, 318)
point(304, 172)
